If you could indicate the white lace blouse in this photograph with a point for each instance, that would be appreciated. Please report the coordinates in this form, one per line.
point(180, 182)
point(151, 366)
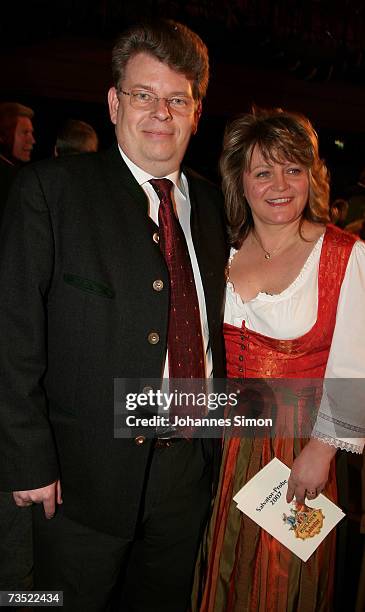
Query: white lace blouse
point(293, 312)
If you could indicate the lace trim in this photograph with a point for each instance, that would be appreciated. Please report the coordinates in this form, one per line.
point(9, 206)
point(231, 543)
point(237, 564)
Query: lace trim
point(229, 264)
point(341, 444)
point(343, 424)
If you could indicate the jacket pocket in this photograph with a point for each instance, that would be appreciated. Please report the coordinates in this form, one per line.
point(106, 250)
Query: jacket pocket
point(89, 286)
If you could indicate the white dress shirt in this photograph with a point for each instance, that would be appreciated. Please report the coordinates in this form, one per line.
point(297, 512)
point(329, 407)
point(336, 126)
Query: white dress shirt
point(182, 208)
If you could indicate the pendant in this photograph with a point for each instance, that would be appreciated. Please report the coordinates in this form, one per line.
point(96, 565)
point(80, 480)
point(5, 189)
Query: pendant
point(267, 255)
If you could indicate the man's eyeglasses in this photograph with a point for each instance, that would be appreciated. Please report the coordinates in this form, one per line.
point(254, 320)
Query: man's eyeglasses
point(144, 100)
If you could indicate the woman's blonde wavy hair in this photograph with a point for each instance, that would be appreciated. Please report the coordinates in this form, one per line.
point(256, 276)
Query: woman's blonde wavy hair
point(280, 136)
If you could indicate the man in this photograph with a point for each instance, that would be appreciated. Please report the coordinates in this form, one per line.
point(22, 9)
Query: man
point(90, 300)
point(16, 143)
point(16, 132)
point(74, 137)
point(16, 559)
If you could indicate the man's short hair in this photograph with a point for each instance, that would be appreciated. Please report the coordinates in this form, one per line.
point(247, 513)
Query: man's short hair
point(74, 137)
point(169, 42)
point(9, 113)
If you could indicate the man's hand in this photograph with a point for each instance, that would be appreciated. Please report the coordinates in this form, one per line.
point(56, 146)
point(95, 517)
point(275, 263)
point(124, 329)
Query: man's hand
point(309, 473)
point(49, 496)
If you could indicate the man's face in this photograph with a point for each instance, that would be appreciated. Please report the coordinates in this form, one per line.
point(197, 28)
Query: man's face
point(23, 139)
point(155, 139)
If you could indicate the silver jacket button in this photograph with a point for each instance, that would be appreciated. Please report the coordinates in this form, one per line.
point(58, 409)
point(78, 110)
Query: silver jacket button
point(139, 440)
point(153, 338)
point(157, 285)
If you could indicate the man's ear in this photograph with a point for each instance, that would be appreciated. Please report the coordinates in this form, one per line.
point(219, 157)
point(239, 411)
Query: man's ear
point(198, 112)
point(113, 103)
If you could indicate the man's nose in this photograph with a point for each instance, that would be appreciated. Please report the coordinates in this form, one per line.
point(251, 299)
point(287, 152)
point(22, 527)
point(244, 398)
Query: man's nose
point(161, 109)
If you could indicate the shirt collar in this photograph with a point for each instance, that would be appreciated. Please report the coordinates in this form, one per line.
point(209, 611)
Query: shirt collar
point(143, 177)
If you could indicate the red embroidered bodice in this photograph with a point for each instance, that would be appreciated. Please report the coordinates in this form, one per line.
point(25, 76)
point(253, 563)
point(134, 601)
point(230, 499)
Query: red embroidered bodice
point(253, 355)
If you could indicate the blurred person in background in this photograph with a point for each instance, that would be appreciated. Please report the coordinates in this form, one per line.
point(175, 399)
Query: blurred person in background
point(16, 559)
point(16, 143)
point(75, 137)
point(355, 195)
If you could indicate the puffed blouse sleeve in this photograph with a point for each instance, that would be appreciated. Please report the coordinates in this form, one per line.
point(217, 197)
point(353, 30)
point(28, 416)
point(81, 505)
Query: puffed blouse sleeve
point(341, 417)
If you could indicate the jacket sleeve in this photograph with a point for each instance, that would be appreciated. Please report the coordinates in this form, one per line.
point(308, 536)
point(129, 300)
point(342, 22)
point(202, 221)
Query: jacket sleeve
point(28, 457)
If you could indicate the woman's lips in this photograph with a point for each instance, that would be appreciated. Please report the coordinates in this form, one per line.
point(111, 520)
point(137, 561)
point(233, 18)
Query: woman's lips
point(279, 201)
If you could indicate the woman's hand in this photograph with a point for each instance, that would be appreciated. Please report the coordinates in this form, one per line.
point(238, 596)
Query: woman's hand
point(309, 473)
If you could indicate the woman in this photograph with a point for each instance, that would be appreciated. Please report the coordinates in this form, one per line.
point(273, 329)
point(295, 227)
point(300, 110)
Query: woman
point(292, 311)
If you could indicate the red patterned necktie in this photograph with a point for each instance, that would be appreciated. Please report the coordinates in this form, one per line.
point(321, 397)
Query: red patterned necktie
point(184, 341)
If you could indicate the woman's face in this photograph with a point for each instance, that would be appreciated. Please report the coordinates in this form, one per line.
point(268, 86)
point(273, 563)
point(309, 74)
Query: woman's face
point(277, 193)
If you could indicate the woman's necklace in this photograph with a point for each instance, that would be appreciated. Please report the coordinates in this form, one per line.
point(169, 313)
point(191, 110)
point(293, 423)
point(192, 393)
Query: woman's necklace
point(267, 254)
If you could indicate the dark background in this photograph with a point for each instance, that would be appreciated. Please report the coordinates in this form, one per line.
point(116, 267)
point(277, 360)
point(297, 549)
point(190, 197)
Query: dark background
point(307, 56)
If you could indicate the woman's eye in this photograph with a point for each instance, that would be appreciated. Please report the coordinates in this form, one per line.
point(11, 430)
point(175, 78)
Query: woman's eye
point(263, 174)
point(294, 170)
point(177, 102)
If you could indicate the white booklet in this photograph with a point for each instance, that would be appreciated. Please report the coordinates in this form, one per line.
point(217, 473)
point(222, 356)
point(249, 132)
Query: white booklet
point(299, 527)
